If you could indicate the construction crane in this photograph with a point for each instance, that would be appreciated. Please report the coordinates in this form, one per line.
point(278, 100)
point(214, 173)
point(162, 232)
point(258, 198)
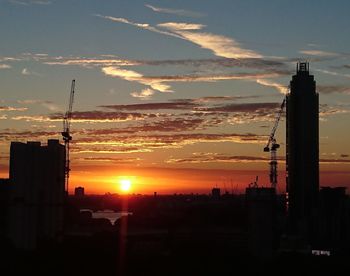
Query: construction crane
point(272, 147)
point(66, 133)
point(255, 183)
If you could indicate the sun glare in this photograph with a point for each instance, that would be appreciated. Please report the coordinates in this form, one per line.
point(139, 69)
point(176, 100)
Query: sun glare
point(125, 185)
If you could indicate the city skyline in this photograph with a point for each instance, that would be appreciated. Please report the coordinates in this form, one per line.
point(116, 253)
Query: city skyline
point(174, 96)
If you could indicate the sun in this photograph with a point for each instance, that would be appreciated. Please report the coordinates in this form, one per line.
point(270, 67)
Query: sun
point(125, 185)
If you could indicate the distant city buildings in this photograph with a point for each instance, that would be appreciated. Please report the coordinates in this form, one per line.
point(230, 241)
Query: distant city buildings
point(216, 193)
point(79, 191)
point(36, 193)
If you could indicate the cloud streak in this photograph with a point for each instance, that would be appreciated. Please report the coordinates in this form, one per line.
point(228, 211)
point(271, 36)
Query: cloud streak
point(254, 63)
point(159, 83)
point(144, 26)
point(148, 143)
point(88, 117)
point(11, 108)
point(123, 160)
point(331, 89)
point(178, 12)
point(5, 66)
point(283, 89)
point(319, 53)
point(130, 75)
point(26, 72)
point(220, 45)
point(332, 73)
point(30, 2)
point(175, 26)
point(179, 105)
point(144, 94)
point(198, 158)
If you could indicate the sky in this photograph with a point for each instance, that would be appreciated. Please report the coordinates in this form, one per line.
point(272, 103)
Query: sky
point(175, 96)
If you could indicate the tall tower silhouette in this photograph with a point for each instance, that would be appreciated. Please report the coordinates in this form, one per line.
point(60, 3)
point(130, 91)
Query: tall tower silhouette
point(302, 149)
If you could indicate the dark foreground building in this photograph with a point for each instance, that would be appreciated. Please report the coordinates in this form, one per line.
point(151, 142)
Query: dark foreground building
point(261, 207)
point(302, 141)
point(36, 193)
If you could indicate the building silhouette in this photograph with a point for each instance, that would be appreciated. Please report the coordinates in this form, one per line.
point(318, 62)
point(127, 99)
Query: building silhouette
point(216, 193)
point(333, 219)
point(261, 207)
point(79, 191)
point(302, 153)
point(36, 193)
point(4, 204)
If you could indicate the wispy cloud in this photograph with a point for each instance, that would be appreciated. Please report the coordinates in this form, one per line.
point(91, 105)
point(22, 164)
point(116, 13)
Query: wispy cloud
point(280, 87)
point(175, 105)
point(205, 69)
point(218, 158)
point(144, 94)
point(47, 104)
point(330, 89)
point(113, 160)
point(221, 158)
point(175, 26)
point(88, 117)
point(220, 45)
point(89, 62)
point(159, 83)
point(178, 12)
point(210, 99)
point(26, 72)
point(134, 76)
point(104, 61)
point(199, 114)
point(5, 66)
point(329, 110)
point(24, 135)
point(30, 2)
point(243, 107)
point(332, 73)
point(145, 26)
point(150, 142)
point(319, 53)
point(11, 108)
point(334, 161)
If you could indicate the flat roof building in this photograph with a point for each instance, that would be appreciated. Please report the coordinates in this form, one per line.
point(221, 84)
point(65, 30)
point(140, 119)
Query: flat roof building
point(79, 191)
point(37, 192)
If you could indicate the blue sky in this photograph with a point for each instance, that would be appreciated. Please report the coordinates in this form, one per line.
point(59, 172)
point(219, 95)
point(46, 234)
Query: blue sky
point(188, 70)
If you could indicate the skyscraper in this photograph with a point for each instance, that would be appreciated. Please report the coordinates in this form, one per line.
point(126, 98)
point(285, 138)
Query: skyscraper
point(302, 142)
point(36, 193)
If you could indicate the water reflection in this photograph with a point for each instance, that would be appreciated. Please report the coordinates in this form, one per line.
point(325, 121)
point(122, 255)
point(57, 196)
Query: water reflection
point(111, 215)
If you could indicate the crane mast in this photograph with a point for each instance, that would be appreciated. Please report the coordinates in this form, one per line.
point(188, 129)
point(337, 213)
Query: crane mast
point(272, 147)
point(66, 133)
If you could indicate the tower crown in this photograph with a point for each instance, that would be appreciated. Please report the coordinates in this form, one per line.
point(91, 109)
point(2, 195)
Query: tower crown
point(302, 68)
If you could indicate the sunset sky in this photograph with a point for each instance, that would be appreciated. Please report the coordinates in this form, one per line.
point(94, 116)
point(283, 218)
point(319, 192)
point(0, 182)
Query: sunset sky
point(175, 96)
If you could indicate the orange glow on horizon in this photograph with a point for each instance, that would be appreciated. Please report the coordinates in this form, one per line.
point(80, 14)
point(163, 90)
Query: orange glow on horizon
point(101, 180)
